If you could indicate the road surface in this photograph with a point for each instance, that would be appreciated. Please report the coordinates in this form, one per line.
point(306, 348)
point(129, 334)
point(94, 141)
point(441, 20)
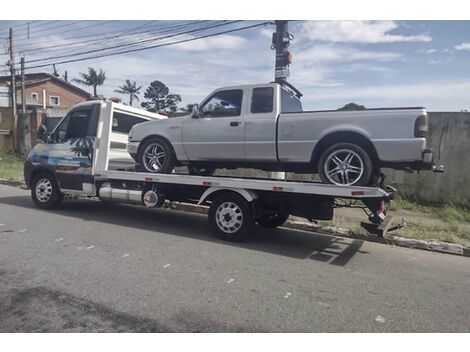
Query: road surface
point(88, 267)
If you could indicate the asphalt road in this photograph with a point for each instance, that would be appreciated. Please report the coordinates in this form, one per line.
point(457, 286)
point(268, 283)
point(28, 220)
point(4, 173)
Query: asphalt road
point(88, 267)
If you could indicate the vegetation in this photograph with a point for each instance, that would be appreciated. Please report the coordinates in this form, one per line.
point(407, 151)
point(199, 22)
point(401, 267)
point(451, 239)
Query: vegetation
point(11, 166)
point(92, 79)
point(159, 98)
point(131, 89)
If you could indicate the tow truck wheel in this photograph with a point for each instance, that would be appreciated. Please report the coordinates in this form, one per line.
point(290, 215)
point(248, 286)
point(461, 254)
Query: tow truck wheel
point(45, 191)
point(273, 220)
point(345, 164)
point(230, 216)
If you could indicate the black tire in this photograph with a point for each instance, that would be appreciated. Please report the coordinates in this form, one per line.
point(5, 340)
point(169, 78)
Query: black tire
point(200, 171)
point(45, 191)
point(164, 164)
point(236, 224)
point(273, 220)
point(360, 159)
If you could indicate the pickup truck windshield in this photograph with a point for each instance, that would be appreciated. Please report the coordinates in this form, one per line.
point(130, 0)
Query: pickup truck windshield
point(290, 103)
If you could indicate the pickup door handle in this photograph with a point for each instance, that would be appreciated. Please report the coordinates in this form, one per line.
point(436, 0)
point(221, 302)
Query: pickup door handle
point(235, 123)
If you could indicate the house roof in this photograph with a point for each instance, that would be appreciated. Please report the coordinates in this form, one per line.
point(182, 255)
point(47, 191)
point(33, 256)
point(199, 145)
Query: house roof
point(38, 78)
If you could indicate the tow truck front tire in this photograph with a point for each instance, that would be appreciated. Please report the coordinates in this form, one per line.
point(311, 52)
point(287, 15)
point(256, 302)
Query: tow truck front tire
point(231, 217)
point(45, 191)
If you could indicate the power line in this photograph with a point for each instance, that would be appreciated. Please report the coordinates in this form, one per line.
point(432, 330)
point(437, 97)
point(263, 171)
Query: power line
point(133, 44)
point(153, 46)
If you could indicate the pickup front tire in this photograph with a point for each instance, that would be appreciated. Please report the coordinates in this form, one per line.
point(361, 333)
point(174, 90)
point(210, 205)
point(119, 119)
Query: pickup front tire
point(156, 155)
point(345, 164)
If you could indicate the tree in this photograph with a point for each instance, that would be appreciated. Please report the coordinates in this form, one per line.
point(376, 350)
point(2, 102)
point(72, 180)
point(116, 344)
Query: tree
point(129, 88)
point(353, 106)
point(159, 98)
point(92, 79)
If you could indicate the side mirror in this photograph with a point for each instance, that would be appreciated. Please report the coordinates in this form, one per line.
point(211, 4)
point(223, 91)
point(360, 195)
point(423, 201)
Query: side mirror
point(42, 133)
point(195, 111)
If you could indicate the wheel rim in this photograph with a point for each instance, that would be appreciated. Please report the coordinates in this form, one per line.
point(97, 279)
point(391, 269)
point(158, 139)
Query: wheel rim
point(154, 157)
point(43, 190)
point(229, 217)
point(344, 167)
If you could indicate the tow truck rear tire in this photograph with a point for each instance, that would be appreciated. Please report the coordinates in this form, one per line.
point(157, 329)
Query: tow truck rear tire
point(231, 217)
point(45, 191)
point(273, 220)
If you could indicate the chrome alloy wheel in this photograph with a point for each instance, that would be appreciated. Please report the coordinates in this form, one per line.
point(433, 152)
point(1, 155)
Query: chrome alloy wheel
point(154, 157)
point(344, 167)
point(229, 217)
point(43, 190)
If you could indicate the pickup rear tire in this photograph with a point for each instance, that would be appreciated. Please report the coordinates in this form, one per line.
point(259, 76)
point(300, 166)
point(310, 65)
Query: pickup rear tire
point(45, 191)
point(156, 155)
point(345, 164)
point(231, 217)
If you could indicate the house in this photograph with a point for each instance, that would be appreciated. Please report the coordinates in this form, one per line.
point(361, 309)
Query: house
point(47, 97)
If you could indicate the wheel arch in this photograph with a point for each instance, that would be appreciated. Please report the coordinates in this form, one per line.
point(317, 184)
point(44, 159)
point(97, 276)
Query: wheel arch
point(353, 137)
point(213, 192)
point(40, 169)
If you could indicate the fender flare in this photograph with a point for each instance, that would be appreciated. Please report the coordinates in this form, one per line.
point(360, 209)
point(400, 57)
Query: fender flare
point(249, 196)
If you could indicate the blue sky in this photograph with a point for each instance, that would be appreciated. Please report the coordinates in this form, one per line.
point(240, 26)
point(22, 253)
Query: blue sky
point(374, 63)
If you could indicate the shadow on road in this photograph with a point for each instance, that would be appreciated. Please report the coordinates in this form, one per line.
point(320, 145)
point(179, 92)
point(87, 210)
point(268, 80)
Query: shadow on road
point(286, 242)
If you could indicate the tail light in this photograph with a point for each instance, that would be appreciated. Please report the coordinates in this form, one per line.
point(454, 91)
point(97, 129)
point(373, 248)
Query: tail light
point(421, 126)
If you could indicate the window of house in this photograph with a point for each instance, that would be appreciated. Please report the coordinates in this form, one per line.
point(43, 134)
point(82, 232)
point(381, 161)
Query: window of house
point(223, 103)
point(262, 100)
point(122, 123)
point(54, 100)
point(35, 96)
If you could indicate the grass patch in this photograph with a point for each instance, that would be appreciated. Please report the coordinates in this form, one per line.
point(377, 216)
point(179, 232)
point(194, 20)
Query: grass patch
point(11, 166)
point(448, 212)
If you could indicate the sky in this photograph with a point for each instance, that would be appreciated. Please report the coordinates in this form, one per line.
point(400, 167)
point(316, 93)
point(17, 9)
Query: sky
point(372, 63)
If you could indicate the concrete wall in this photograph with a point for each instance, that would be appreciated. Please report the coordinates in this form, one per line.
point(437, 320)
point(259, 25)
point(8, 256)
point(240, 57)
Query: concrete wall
point(450, 130)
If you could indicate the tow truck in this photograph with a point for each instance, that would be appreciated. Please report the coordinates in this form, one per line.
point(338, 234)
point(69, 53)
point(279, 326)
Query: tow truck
point(74, 161)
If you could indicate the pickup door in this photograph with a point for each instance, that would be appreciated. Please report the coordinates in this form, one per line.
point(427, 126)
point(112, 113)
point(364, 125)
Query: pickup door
point(218, 133)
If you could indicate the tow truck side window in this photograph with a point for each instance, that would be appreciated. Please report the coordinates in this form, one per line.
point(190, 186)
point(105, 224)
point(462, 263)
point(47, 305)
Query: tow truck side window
point(122, 123)
point(74, 125)
point(224, 103)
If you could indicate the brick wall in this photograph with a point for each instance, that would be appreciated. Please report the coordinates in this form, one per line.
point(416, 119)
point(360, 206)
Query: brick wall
point(68, 98)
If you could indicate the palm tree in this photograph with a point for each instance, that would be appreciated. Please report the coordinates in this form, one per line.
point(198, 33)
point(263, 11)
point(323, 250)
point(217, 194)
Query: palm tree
point(92, 79)
point(131, 89)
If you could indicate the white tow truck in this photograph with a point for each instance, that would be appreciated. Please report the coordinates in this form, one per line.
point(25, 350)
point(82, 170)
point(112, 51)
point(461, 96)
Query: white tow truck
point(74, 160)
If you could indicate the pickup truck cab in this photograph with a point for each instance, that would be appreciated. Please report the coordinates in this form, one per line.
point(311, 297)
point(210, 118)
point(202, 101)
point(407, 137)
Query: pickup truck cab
point(264, 126)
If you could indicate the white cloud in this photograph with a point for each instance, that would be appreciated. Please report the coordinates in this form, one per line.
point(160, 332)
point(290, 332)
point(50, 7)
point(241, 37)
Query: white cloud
point(463, 46)
point(358, 32)
point(431, 51)
point(225, 42)
point(330, 53)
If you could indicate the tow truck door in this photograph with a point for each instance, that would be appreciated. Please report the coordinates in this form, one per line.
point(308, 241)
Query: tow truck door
point(72, 147)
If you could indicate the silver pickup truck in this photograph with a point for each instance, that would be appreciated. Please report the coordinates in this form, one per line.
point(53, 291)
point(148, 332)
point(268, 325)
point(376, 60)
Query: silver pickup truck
point(264, 127)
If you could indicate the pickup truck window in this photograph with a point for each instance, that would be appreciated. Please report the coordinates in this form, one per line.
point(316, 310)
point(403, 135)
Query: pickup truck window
point(122, 123)
point(223, 103)
point(262, 100)
point(290, 103)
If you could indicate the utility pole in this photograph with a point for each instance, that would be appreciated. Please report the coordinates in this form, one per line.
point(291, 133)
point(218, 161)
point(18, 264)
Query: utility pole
point(13, 93)
point(23, 99)
point(280, 43)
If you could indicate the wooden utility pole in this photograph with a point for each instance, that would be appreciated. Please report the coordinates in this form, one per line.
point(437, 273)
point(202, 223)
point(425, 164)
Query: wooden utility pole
point(13, 93)
point(23, 98)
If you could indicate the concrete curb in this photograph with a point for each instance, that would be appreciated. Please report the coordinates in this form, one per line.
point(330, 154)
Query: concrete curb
point(433, 246)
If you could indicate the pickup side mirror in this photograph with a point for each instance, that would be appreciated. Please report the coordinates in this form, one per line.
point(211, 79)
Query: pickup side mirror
point(42, 133)
point(195, 113)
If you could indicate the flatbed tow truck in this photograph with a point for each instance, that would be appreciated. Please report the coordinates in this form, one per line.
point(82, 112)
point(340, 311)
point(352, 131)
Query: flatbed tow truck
point(81, 168)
